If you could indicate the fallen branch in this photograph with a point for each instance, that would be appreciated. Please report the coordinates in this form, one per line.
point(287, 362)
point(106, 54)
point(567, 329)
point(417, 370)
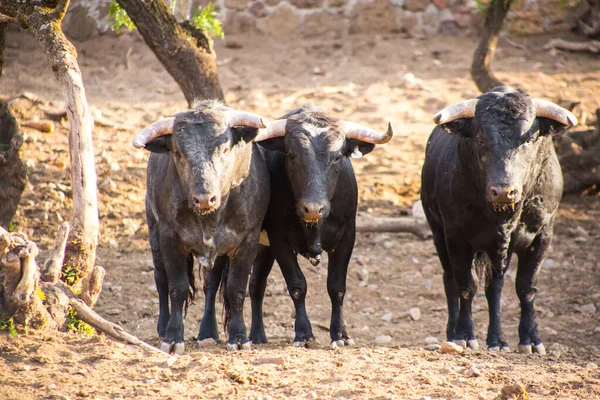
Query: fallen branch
point(416, 226)
point(592, 46)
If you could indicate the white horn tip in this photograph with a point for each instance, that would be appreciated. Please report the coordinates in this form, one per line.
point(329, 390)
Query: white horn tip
point(138, 143)
point(263, 123)
point(437, 117)
point(571, 119)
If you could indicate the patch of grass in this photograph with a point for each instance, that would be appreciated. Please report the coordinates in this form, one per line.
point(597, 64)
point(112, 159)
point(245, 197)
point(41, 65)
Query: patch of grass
point(7, 324)
point(75, 324)
point(69, 274)
point(207, 20)
point(12, 227)
point(118, 18)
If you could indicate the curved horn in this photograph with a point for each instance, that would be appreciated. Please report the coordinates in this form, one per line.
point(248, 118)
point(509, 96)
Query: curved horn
point(244, 118)
point(161, 127)
point(275, 129)
point(464, 109)
point(553, 111)
point(368, 135)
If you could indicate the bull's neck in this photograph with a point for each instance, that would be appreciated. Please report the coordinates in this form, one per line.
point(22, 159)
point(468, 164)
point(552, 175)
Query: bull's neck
point(243, 163)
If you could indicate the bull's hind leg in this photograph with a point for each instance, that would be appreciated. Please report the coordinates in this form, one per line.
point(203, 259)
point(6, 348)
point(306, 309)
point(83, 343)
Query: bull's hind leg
point(160, 277)
point(336, 287)
point(530, 262)
point(258, 283)
point(208, 325)
point(450, 287)
point(493, 292)
point(296, 284)
point(461, 259)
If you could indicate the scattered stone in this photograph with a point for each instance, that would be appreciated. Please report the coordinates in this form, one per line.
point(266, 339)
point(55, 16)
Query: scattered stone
point(451, 348)
point(387, 317)
point(414, 313)
point(550, 331)
point(549, 263)
point(431, 340)
point(317, 71)
point(579, 231)
point(312, 395)
point(433, 347)
point(516, 391)
point(24, 368)
point(472, 372)
point(383, 339)
point(388, 245)
point(171, 361)
point(588, 308)
point(556, 350)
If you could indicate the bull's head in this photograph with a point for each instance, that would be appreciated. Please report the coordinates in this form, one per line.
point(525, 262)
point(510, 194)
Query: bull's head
point(208, 148)
point(509, 137)
point(316, 146)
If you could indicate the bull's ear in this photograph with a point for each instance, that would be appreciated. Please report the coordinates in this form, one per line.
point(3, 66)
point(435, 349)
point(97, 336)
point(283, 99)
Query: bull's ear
point(245, 133)
point(461, 127)
point(357, 149)
point(162, 144)
point(551, 127)
point(274, 144)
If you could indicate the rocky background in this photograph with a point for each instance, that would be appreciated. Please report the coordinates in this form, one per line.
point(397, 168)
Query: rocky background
point(337, 18)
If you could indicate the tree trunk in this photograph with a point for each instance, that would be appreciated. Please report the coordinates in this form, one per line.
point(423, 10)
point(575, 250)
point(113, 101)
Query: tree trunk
point(481, 71)
point(185, 52)
point(2, 44)
point(44, 22)
point(13, 173)
point(416, 226)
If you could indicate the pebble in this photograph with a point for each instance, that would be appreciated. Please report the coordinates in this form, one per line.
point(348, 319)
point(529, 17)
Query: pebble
point(171, 361)
point(550, 331)
point(431, 340)
point(388, 245)
point(556, 350)
point(383, 339)
point(472, 371)
point(312, 395)
point(591, 308)
point(433, 347)
point(24, 368)
point(451, 348)
point(387, 317)
point(549, 264)
point(414, 313)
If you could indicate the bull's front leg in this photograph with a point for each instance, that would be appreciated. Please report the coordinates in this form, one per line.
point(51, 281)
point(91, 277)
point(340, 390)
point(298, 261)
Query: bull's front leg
point(208, 326)
point(337, 272)
point(493, 291)
point(237, 282)
point(461, 259)
point(530, 262)
point(176, 263)
point(258, 283)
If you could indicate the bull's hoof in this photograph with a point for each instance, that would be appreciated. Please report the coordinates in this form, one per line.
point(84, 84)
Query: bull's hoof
point(532, 348)
point(239, 346)
point(308, 343)
point(461, 343)
point(342, 343)
point(176, 348)
point(473, 344)
point(540, 349)
point(524, 349)
point(505, 349)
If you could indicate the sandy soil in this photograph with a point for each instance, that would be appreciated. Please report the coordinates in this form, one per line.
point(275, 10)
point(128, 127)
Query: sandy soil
point(369, 80)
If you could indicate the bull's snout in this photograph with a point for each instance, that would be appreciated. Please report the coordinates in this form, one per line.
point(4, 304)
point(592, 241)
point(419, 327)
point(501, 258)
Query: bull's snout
point(206, 202)
point(312, 211)
point(503, 194)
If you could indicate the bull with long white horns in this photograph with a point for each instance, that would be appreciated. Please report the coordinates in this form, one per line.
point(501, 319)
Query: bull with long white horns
point(312, 209)
point(491, 185)
point(207, 194)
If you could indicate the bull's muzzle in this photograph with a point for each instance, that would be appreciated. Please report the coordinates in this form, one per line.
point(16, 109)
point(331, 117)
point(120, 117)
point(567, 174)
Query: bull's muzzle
point(503, 198)
point(312, 212)
point(206, 203)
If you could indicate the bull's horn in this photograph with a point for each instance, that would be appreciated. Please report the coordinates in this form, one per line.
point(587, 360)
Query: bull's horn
point(547, 109)
point(244, 118)
point(364, 134)
point(275, 129)
point(464, 109)
point(161, 127)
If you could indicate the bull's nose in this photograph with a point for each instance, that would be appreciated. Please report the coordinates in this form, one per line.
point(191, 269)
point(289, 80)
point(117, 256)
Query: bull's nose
point(506, 194)
point(205, 201)
point(312, 211)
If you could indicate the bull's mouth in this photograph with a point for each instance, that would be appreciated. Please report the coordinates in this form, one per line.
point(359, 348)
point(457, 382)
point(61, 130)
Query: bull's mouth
point(203, 212)
point(502, 207)
point(311, 221)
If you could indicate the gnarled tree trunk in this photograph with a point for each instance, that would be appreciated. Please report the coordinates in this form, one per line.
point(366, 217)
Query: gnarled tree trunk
point(13, 174)
point(185, 52)
point(481, 68)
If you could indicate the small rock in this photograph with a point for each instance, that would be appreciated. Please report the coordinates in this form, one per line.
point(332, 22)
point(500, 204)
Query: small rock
point(317, 71)
point(414, 313)
point(171, 361)
point(556, 350)
point(515, 391)
point(472, 371)
point(383, 339)
point(451, 348)
point(431, 340)
point(24, 368)
point(433, 347)
point(549, 264)
point(388, 245)
point(579, 231)
point(387, 317)
point(153, 288)
point(550, 331)
point(588, 308)
point(312, 395)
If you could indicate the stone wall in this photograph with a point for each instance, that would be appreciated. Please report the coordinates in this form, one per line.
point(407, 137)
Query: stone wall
point(314, 18)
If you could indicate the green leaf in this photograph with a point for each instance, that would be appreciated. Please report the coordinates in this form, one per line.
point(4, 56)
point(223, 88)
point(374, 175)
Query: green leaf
point(118, 18)
point(207, 20)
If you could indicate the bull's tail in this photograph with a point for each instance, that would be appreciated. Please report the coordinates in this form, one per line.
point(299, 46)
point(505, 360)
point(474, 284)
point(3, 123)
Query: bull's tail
point(226, 303)
point(191, 282)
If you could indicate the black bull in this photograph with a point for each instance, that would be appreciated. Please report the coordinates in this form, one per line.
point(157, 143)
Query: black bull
point(491, 185)
point(207, 194)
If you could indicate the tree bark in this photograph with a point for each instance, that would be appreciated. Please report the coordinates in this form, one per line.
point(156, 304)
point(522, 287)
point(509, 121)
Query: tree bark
point(185, 52)
point(481, 70)
point(416, 226)
point(2, 45)
point(44, 22)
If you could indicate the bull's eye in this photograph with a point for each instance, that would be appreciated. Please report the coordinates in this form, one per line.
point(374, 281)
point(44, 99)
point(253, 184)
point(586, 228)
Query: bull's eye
point(337, 158)
point(531, 140)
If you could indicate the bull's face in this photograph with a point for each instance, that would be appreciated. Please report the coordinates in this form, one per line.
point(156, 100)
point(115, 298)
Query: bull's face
point(210, 155)
point(509, 144)
point(316, 149)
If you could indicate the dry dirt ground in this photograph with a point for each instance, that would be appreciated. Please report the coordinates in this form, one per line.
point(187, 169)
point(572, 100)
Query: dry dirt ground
point(365, 79)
